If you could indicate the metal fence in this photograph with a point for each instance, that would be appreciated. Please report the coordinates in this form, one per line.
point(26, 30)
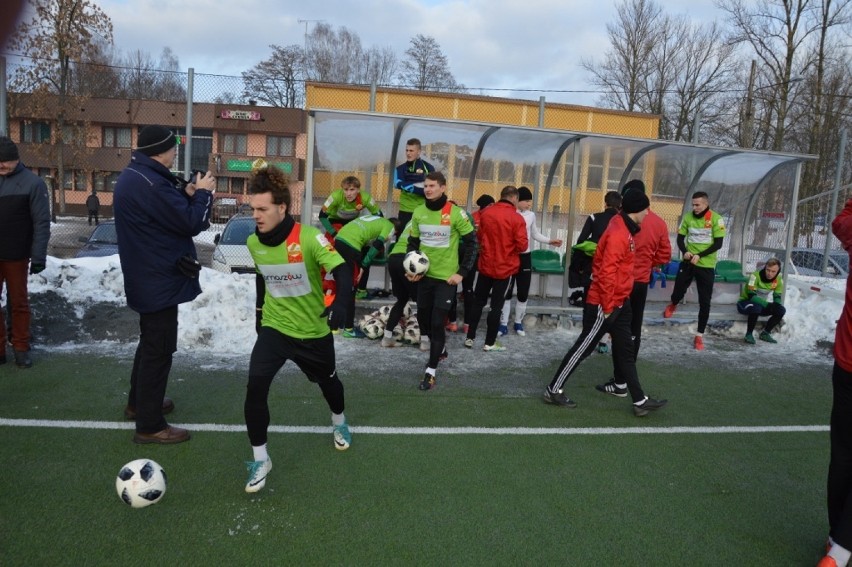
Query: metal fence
point(223, 129)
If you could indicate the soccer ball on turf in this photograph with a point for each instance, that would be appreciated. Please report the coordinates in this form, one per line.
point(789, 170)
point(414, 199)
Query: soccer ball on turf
point(384, 313)
point(141, 483)
point(373, 328)
point(406, 311)
point(415, 263)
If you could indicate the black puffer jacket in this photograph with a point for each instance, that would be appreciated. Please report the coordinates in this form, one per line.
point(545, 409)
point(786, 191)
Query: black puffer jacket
point(24, 216)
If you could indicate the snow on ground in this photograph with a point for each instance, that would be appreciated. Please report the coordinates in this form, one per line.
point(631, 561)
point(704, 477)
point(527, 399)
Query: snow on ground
point(220, 323)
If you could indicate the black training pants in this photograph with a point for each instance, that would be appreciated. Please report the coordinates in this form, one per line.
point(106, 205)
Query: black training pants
point(151, 367)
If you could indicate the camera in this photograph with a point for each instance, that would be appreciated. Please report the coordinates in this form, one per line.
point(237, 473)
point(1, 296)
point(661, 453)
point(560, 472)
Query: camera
point(196, 175)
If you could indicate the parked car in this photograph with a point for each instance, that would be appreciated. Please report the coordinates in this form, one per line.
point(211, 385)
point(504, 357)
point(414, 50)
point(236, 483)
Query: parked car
point(808, 262)
point(231, 253)
point(102, 242)
point(223, 209)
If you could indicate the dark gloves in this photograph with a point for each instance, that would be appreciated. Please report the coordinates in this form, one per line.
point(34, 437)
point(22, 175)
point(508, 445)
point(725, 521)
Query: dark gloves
point(36, 268)
point(189, 266)
point(335, 313)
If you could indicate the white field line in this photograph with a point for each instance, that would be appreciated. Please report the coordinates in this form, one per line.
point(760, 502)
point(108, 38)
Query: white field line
point(371, 430)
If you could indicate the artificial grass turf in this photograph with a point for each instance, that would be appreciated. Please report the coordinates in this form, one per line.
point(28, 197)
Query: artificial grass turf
point(396, 499)
point(655, 499)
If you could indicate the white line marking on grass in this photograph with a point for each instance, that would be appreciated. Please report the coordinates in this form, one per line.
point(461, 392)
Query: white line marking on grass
point(372, 430)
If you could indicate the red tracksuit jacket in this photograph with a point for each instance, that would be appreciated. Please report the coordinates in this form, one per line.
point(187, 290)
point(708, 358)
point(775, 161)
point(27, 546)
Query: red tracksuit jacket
point(842, 229)
point(502, 237)
point(653, 247)
point(612, 266)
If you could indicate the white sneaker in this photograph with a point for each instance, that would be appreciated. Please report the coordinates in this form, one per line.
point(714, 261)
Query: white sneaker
point(496, 347)
point(257, 474)
point(342, 436)
point(424, 344)
point(388, 342)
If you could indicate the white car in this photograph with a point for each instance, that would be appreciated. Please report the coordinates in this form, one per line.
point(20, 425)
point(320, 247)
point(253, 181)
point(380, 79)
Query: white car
point(808, 262)
point(231, 254)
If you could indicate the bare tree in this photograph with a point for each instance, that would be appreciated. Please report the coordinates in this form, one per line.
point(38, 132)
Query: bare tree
point(333, 56)
point(664, 65)
point(97, 74)
point(624, 73)
point(277, 81)
point(60, 34)
point(377, 66)
point(703, 67)
point(426, 68)
point(776, 31)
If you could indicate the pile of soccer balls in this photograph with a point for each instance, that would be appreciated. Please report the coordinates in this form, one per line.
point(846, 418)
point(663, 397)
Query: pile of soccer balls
point(406, 332)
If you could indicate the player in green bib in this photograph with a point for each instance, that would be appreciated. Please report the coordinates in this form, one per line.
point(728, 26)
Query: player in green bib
point(345, 205)
point(699, 239)
point(364, 233)
point(291, 317)
point(762, 286)
point(438, 228)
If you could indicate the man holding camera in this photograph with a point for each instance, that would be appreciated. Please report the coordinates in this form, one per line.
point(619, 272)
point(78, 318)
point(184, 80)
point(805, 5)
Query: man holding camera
point(156, 216)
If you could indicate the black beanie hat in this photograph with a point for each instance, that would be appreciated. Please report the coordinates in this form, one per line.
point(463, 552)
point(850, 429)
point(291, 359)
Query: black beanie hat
point(633, 184)
point(8, 150)
point(524, 194)
point(155, 140)
point(634, 202)
point(484, 201)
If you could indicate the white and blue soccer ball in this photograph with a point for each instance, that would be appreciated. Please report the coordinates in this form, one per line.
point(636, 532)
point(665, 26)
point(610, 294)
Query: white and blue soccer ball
point(407, 311)
point(384, 313)
point(374, 328)
point(416, 263)
point(141, 483)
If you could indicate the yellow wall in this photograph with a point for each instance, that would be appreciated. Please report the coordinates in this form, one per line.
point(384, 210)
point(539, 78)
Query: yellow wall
point(488, 110)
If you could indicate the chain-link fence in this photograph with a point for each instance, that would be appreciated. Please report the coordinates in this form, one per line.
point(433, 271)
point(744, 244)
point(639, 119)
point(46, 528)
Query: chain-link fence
point(223, 130)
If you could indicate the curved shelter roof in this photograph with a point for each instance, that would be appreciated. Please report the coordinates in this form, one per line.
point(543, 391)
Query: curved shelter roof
point(569, 171)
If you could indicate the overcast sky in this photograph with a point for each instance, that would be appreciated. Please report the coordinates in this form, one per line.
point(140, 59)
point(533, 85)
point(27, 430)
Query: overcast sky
point(490, 44)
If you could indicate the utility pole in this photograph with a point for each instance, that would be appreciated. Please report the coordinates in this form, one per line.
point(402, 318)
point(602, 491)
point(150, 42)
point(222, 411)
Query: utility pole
point(748, 119)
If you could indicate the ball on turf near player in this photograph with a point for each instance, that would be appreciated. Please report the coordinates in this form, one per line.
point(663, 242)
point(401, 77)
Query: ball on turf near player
point(141, 483)
point(384, 313)
point(374, 328)
point(415, 263)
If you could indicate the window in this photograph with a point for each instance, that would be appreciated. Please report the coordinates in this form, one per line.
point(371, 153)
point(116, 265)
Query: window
point(109, 181)
point(506, 172)
point(116, 137)
point(74, 180)
point(238, 185)
point(35, 132)
point(234, 144)
point(594, 180)
point(279, 146)
point(485, 170)
point(528, 175)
